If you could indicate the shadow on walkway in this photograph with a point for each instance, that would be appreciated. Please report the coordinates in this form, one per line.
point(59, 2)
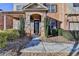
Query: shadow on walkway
point(73, 49)
point(75, 35)
point(34, 42)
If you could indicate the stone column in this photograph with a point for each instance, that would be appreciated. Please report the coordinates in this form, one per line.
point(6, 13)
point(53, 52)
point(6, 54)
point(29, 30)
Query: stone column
point(27, 24)
point(42, 27)
point(66, 22)
point(32, 28)
point(4, 22)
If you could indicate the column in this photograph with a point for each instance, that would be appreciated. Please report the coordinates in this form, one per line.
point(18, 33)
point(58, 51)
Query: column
point(43, 28)
point(27, 24)
point(66, 22)
point(4, 22)
point(32, 28)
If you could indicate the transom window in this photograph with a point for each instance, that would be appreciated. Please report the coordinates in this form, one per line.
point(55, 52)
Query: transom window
point(75, 4)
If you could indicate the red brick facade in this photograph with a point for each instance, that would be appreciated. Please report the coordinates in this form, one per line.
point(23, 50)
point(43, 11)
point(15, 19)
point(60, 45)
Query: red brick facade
point(1, 21)
point(60, 15)
point(9, 22)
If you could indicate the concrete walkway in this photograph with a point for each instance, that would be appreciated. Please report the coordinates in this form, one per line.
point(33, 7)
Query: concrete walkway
point(37, 46)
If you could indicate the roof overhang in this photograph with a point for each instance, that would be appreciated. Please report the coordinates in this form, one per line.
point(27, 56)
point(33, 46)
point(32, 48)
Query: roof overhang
point(53, 16)
point(54, 19)
point(13, 14)
point(72, 14)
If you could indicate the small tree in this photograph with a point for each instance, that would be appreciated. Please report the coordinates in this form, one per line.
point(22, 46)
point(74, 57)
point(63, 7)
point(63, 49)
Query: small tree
point(22, 26)
point(46, 26)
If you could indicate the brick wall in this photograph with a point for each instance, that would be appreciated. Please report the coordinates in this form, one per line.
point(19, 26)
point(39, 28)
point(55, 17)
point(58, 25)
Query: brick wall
point(9, 22)
point(1, 22)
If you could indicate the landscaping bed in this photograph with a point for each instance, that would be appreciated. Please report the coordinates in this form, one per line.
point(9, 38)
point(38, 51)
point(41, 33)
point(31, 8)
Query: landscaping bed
point(65, 36)
point(58, 39)
point(11, 42)
point(8, 35)
point(13, 48)
point(70, 35)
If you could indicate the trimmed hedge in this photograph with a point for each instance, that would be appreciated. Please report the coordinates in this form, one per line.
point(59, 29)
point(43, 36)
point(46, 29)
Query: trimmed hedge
point(3, 39)
point(12, 34)
point(6, 35)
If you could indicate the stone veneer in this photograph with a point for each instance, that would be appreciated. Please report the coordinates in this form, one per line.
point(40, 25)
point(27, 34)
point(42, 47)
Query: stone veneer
point(29, 28)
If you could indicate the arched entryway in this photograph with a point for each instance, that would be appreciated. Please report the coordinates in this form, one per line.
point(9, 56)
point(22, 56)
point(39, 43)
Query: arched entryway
point(36, 19)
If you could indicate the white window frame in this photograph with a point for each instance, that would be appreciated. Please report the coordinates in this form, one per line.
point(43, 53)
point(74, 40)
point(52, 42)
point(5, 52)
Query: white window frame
point(75, 26)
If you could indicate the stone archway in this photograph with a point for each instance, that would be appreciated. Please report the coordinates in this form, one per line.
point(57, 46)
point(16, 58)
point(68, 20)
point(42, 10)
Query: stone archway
point(29, 26)
point(35, 20)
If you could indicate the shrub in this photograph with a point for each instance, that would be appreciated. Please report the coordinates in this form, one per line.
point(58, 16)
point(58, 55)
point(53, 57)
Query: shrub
point(60, 31)
point(68, 35)
point(22, 26)
point(75, 35)
point(54, 32)
point(12, 34)
point(3, 38)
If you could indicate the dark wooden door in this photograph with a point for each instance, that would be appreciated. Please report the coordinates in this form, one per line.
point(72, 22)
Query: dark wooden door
point(36, 27)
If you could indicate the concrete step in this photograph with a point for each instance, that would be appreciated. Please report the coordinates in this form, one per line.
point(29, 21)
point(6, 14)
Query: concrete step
point(44, 54)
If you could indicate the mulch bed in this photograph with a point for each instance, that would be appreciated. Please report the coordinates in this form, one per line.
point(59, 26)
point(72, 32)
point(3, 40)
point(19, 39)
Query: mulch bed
point(14, 47)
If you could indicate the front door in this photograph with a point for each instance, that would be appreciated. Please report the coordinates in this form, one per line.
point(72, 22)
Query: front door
point(36, 27)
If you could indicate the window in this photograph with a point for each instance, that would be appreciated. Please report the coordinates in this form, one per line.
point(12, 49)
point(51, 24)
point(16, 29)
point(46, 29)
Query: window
point(75, 4)
point(51, 7)
point(74, 25)
point(49, 10)
point(53, 24)
point(18, 7)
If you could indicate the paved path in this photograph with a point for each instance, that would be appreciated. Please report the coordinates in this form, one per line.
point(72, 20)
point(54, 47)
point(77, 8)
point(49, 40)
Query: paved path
point(55, 47)
point(37, 46)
